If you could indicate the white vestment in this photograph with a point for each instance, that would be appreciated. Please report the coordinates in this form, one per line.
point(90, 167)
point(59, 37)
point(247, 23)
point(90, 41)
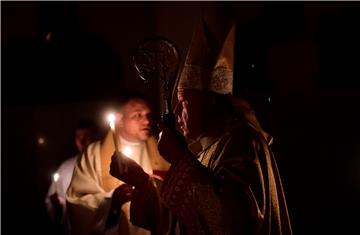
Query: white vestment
point(90, 191)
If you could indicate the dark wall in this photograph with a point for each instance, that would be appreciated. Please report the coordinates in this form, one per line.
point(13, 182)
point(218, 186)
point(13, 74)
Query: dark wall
point(296, 61)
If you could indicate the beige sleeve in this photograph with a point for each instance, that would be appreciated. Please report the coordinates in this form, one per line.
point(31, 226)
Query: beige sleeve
point(87, 202)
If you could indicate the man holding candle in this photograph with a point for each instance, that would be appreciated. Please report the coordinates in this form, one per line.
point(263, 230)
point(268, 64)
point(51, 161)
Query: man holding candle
point(232, 186)
point(97, 202)
point(85, 133)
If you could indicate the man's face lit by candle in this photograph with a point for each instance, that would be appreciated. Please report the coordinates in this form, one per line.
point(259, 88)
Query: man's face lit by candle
point(134, 121)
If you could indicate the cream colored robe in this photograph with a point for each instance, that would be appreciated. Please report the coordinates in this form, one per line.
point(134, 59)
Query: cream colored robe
point(89, 194)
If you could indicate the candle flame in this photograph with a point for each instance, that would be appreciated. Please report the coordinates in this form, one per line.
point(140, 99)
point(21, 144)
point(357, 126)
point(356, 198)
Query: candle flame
point(56, 177)
point(41, 141)
point(111, 119)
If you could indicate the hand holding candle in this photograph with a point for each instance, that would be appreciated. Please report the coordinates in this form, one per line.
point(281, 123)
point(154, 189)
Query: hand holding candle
point(134, 174)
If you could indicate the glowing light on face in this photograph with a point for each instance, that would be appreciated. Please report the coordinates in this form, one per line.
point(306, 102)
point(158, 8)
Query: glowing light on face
point(56, 177)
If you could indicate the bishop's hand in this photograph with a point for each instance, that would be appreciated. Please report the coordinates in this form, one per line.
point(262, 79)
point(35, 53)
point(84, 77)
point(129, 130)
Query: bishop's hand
point(172, 145)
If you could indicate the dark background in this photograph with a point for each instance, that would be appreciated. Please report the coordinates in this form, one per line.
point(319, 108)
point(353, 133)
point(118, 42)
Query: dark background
point(298, 63)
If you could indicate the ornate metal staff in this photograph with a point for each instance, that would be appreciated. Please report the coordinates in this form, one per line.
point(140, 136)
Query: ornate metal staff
point(159, 59)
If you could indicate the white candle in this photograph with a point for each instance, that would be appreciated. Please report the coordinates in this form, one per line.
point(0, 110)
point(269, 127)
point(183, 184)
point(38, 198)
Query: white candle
point(111, 118)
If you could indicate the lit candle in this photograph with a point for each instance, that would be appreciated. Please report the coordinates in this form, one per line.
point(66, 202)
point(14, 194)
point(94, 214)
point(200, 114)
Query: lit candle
point(111, 118)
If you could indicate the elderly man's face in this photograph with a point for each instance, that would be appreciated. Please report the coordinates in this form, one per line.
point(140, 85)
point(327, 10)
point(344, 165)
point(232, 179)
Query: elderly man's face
point(190, 111)
point(134, 121)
